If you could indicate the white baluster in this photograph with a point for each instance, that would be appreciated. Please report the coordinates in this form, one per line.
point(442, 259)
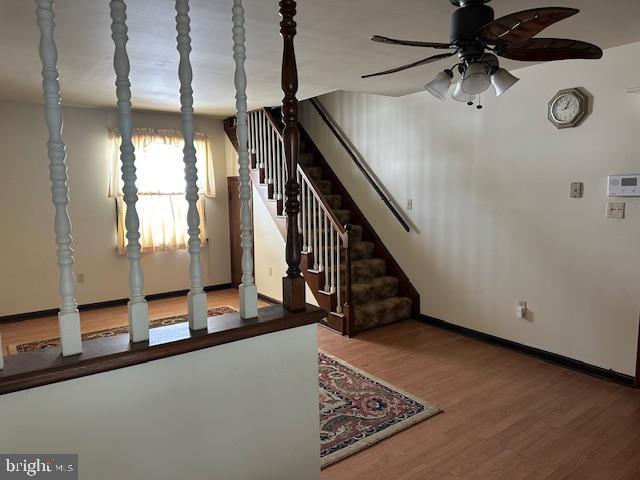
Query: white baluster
point(270, 150)
point(254, 134)
point(283, 171)
point(68, 317)
point(327, 252)
point(250, 129)
point(310, 246)
point(303, 209)
point(197, 298)
point(248, 290)
point(320, 237)
point(300, 182)
point(338, 284)
point(334, 252)
point(279, 168)
point(275, 149)
point(316, 250)
point(137, 306)
point(263, 142)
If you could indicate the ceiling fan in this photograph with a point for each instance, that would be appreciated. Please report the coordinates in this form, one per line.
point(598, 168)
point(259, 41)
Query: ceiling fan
point(479, 39)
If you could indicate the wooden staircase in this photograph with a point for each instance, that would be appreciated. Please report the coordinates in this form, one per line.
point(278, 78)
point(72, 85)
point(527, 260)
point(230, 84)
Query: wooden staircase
point(352, 275)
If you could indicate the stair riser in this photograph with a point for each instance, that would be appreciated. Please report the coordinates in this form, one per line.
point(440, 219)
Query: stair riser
point(360, 296)
point(361, 274)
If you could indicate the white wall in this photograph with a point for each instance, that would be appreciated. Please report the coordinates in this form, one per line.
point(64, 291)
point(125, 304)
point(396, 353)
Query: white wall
point(242, 411)
point(270, 249)
point(490, 192)
point(29, 274)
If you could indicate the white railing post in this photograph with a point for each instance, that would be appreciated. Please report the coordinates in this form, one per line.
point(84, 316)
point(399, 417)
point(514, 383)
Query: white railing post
point(339, 245)
point(68, 317)
point(197, 298)
point(137, 306)
point(248, 290)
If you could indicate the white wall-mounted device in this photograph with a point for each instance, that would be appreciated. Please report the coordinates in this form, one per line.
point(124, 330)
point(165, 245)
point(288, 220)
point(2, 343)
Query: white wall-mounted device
point(624, 185)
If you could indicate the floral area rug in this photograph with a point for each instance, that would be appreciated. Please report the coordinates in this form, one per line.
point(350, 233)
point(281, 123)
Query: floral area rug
point(358, 410)
point(109, 332)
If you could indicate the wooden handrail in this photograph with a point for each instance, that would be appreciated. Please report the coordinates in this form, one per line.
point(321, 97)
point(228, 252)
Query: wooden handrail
point(324, 205)
point(387, 201)
point(272, 121)
point(314, 187)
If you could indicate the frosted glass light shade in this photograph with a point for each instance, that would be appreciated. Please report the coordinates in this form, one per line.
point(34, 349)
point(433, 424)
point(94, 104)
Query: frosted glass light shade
point(439, 86)
point(460, 95)
point(476, 79)
point(502, 81)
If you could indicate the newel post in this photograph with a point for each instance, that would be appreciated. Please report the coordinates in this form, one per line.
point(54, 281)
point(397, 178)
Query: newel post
point(293, 286)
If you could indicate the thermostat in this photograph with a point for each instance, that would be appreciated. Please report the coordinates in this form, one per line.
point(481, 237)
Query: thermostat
point(624, 185)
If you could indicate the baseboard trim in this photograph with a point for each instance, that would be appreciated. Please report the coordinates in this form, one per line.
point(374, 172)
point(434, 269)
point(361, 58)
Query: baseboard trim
point(268, 299)
point(18, 317)
point(556, 359)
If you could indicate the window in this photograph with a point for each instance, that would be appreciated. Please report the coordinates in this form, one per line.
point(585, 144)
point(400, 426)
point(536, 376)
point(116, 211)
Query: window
point(162, 207)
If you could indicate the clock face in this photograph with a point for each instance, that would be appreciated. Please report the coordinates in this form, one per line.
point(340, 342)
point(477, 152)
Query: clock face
point(566, 108)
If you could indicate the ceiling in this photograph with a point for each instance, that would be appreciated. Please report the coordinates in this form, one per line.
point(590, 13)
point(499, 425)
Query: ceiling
point(332, 47)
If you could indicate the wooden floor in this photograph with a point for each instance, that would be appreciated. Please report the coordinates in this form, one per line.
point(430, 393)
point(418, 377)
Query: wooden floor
point(506, 416)
point(92, 320)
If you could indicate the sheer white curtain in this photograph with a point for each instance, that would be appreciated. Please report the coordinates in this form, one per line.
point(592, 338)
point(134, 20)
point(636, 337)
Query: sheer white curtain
point(161, 206)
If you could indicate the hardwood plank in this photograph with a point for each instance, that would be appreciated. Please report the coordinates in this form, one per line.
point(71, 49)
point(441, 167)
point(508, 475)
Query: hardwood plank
point(506, 415)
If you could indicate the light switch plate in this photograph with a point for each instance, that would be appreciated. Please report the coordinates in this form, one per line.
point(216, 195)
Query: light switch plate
point(616, 210)
point(577, 190)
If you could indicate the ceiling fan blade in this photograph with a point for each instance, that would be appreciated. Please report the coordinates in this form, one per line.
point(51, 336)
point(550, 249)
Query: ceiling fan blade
point(521, 26)
point(393, 41)
point(550, 49)
point(434, 58)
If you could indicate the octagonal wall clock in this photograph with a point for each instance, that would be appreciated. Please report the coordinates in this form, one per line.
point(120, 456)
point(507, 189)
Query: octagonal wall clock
point(568, 108)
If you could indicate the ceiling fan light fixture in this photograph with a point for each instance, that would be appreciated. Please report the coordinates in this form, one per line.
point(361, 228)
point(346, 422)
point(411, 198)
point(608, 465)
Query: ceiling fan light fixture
point(460, 95)
point(502, 81)
point(440, 85)
point(476, 79)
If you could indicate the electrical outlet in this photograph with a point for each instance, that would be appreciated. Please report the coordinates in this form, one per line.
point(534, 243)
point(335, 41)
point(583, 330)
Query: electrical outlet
point(616, 210)
point(80, 277)
point(577, 190)
point(410, 204)
point(270, 271)
point(521, 309)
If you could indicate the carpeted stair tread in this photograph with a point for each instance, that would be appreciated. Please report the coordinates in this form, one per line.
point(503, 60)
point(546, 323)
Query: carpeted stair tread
point(334, 200)
point(361, 251)
point(324, 186)
point(382, 312)
point(314, 172)
point(343, 215)
point(307, 159)
point(375, 290)
point(363, 271)
point(356, 233)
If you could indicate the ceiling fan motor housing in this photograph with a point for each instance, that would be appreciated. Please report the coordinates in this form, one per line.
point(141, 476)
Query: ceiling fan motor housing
point(465, 23)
